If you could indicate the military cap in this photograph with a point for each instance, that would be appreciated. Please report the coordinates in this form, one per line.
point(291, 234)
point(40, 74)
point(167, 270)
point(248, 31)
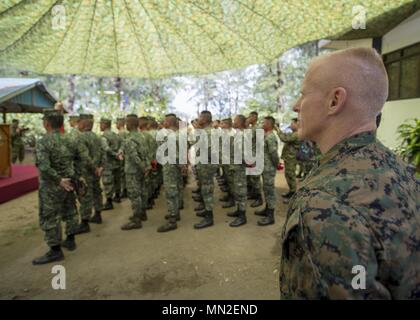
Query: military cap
point(85, 116)
point(74, 117)
point(49, 113)
point(132, 116)
point(105, 120)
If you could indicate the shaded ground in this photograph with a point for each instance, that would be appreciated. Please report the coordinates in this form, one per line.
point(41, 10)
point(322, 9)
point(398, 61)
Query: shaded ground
point(215, 263)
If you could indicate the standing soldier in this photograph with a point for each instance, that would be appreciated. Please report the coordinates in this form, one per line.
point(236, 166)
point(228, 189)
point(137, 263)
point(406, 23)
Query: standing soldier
point(18, 146)
point(271, 160)
point(156, 174)
point(111, 175)
point(122, 132)
point(254, 181)
point(172, 176)
point(238, 173)
point(290, 148)
point(74, 131)
point(206, 174)
point(226, 126)
point(90, 173)
point(148, 149)
point(352, 229)
point(54, 160)
point(135, 167)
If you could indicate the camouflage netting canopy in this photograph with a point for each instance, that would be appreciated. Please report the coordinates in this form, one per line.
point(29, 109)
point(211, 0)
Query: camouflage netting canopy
point(162, 38)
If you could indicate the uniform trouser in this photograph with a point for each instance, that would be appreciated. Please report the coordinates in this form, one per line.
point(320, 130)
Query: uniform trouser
point(111, 180)
point(290, 173)
point(86, 201)
point(56, 205)
point(205, 173)
point(228, 175)
point(197, 175)
point(122, 173)
point(268, 176)
point(255, 184)
point(18, 152)
point(181, 188)
point(97, 193)
point(135, 185)
point(239, 182)
point(146, 191)
point(172, 181)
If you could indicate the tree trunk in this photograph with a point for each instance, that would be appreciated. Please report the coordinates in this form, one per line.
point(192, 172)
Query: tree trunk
point(72, 93)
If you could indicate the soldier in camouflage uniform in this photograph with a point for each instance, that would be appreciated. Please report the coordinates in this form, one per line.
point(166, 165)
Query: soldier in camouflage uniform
point(271, 160)
point(74, 131)
point(254, 181)
point(148, 148)
point(18, 147)
point(238, 172)
point(156, 174)
point(136, 162)
point(56, 165)
point(111, 175)
point(226, 126)
point(172, 175)
point(206, 174)
point(123, 134)
point(92, 168)
point(290, 148)
point(360, 206)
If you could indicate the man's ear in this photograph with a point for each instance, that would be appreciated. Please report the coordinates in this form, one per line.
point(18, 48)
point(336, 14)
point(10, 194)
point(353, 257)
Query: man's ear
point(337, 100)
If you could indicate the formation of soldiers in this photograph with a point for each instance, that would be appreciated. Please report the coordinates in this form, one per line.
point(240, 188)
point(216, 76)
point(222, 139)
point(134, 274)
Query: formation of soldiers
point(358, 206)
point(123, 164)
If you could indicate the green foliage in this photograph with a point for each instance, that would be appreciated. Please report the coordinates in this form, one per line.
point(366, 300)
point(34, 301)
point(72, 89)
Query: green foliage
point(410, 144)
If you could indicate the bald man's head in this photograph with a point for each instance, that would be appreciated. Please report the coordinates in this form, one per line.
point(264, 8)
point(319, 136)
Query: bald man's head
point(359, 70)
point(342, 88)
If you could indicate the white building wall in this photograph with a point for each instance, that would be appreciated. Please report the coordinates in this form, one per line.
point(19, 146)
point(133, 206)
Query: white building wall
point(399, 111)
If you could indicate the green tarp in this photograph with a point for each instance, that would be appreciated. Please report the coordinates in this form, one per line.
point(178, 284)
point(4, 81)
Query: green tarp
point(161, 38)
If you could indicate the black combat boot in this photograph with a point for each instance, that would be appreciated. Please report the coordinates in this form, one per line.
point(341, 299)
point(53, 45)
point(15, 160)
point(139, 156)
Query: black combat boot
point(257, 202)
point(108, 205)
point(83, 227)
point(225, 198)
point(69, 243)
point(240, 219)
point(197, 198)
point(117, 198)
point(170, 225)
point(200, 207)
point(268, 219)
point(201, 214)
point(96, 218)
point(143, 216)
point(133, 224)
point(229, 204)
point(177, 217)
point(233, 214)
point(206, 222)
point(262, 212)
point(55, 254)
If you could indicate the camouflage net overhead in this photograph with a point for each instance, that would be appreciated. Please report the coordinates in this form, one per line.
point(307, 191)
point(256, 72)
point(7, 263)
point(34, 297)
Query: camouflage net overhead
point(161, 38)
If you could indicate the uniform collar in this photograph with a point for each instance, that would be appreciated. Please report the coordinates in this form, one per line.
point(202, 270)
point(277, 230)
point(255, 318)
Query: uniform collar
point(353, 142)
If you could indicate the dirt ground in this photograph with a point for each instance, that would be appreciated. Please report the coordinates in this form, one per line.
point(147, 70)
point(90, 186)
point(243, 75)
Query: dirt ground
point(214, 263)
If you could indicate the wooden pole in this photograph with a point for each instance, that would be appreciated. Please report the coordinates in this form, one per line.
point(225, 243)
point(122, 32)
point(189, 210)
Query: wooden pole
point(4, 117)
